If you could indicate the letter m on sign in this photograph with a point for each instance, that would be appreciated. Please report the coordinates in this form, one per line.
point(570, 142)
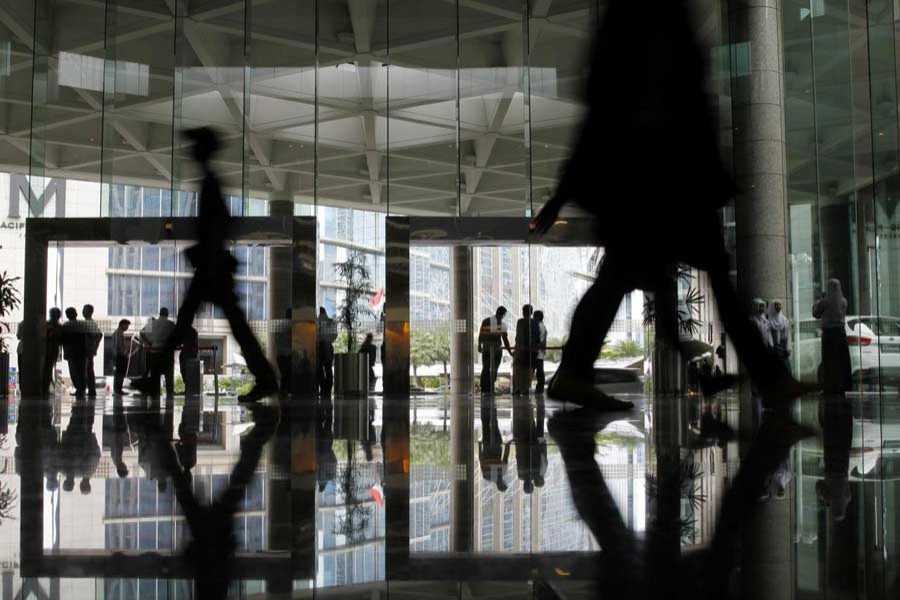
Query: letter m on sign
point(20, 190)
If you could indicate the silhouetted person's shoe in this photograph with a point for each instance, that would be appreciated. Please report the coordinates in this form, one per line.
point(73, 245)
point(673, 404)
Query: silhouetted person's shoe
point(144, 385)
point(260, 390)
point(568, 388)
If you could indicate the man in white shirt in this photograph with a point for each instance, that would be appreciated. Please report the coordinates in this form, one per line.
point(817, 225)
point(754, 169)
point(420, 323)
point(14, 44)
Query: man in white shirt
point(156, 335)
point(492, 338)
point(542, 351)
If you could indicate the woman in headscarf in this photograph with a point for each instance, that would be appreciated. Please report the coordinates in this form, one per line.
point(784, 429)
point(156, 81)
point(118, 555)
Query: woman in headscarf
point(831, 310)
point(780, 330)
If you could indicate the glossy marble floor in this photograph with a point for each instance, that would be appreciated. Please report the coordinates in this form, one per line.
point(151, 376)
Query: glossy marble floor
point(439, 497)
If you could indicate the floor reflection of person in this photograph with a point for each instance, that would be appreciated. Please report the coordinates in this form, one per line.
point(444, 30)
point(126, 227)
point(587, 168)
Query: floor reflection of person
point(79, 447)
point(493, 453)
point(492, 339)
point(326, 459)
point(118, 436)
point(531, 446)
point(188, 432)
point(214, 268)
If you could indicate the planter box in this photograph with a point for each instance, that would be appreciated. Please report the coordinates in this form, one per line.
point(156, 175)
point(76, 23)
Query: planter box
point(4, 373)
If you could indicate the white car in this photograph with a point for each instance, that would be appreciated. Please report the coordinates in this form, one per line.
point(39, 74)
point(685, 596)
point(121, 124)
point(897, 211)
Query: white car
point(874, 349)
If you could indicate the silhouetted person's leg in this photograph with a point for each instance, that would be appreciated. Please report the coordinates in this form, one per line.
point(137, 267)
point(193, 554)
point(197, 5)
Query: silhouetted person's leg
point(539, 376)
point(250, 348)
point(90, 379)
point(168, 371)
point(591, 321)
point(121, 368)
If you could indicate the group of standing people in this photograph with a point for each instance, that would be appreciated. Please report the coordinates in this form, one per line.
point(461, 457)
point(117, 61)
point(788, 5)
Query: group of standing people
point(528, 354)
point(774, 328)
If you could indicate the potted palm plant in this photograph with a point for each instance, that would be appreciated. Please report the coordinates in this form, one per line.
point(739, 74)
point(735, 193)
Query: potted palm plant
point(351, 370)
point(9, 302)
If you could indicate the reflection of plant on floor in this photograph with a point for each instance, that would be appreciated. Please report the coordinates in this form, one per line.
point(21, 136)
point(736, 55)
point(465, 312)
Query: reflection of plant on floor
point(8, 498)
point(688, 481)
point(354, 521)
point(428, 445)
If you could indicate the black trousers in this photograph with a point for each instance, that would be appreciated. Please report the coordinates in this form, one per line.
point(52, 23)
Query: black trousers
point(623, 271)
point(187, 375)
point(90, 380)
point(121, 372)
point(222, 294)
point(162, 364)
point(539, 375)
point(47, 375)
point(490, 364)
point(77, 373)
point(284, 369)
point(325, 367)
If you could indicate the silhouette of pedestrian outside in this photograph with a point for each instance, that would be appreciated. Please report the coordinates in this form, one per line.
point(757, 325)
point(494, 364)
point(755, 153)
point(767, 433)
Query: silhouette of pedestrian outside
point(368, 349)
point(541, 354)
point(74, 350)
point(326, 333)
point(54, 343)
point(653, 89)
point(527, 336)
point(122, 348)
point(492, 338)
point(493, 453)
point(92, 339)
point(214, 272)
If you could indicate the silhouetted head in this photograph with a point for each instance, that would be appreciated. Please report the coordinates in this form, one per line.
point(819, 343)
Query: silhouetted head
point(55, 314)
point(122, 470)
point(539, 316)
point(163, 312)
point(501, 312)
point(87, 311)
point(527, 310)
point(323, 312)
point(52, 483)
point(287, 314)
point(69, 483)
point(162, 486)
point(71, 313)
point(527, 487)
point(124, 324)
point(206, 142)
point(369, 338)
point(85, 486)
point(501, 485)
point(759, 305)
point(539, 481)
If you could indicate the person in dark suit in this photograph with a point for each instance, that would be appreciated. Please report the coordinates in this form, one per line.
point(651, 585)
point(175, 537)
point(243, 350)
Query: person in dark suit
point(527, 339)
point(122, 348)
point(92, 339)
point(214, 271)
point(74, 350)
point(368, 348)
point(54, 343)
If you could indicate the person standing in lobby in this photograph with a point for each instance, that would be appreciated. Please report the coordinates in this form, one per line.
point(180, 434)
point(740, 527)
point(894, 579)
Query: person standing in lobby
point(541, 352)
point(157, 333)
point(92, 339)
point(492, 338)
point(54, 342)
point(121, 347)
point(74, 350)
point(326, 333)
point(525, 357)
point(780, 332)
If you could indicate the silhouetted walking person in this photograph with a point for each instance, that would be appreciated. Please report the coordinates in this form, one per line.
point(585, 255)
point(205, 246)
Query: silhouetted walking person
point(647, 84)
point(157, 333)
point(214, 271)
point(541, 352)
point(368, 348)
point(188, 353)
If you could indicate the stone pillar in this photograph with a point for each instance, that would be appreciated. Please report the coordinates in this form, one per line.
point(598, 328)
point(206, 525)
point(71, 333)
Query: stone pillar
point(462, 322)
point(761, 221)
point(462, 380)
point(280, 270)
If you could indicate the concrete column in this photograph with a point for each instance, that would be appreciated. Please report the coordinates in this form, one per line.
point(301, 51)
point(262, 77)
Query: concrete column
point(761, 221)
point(280, 269)
point(462, 415)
